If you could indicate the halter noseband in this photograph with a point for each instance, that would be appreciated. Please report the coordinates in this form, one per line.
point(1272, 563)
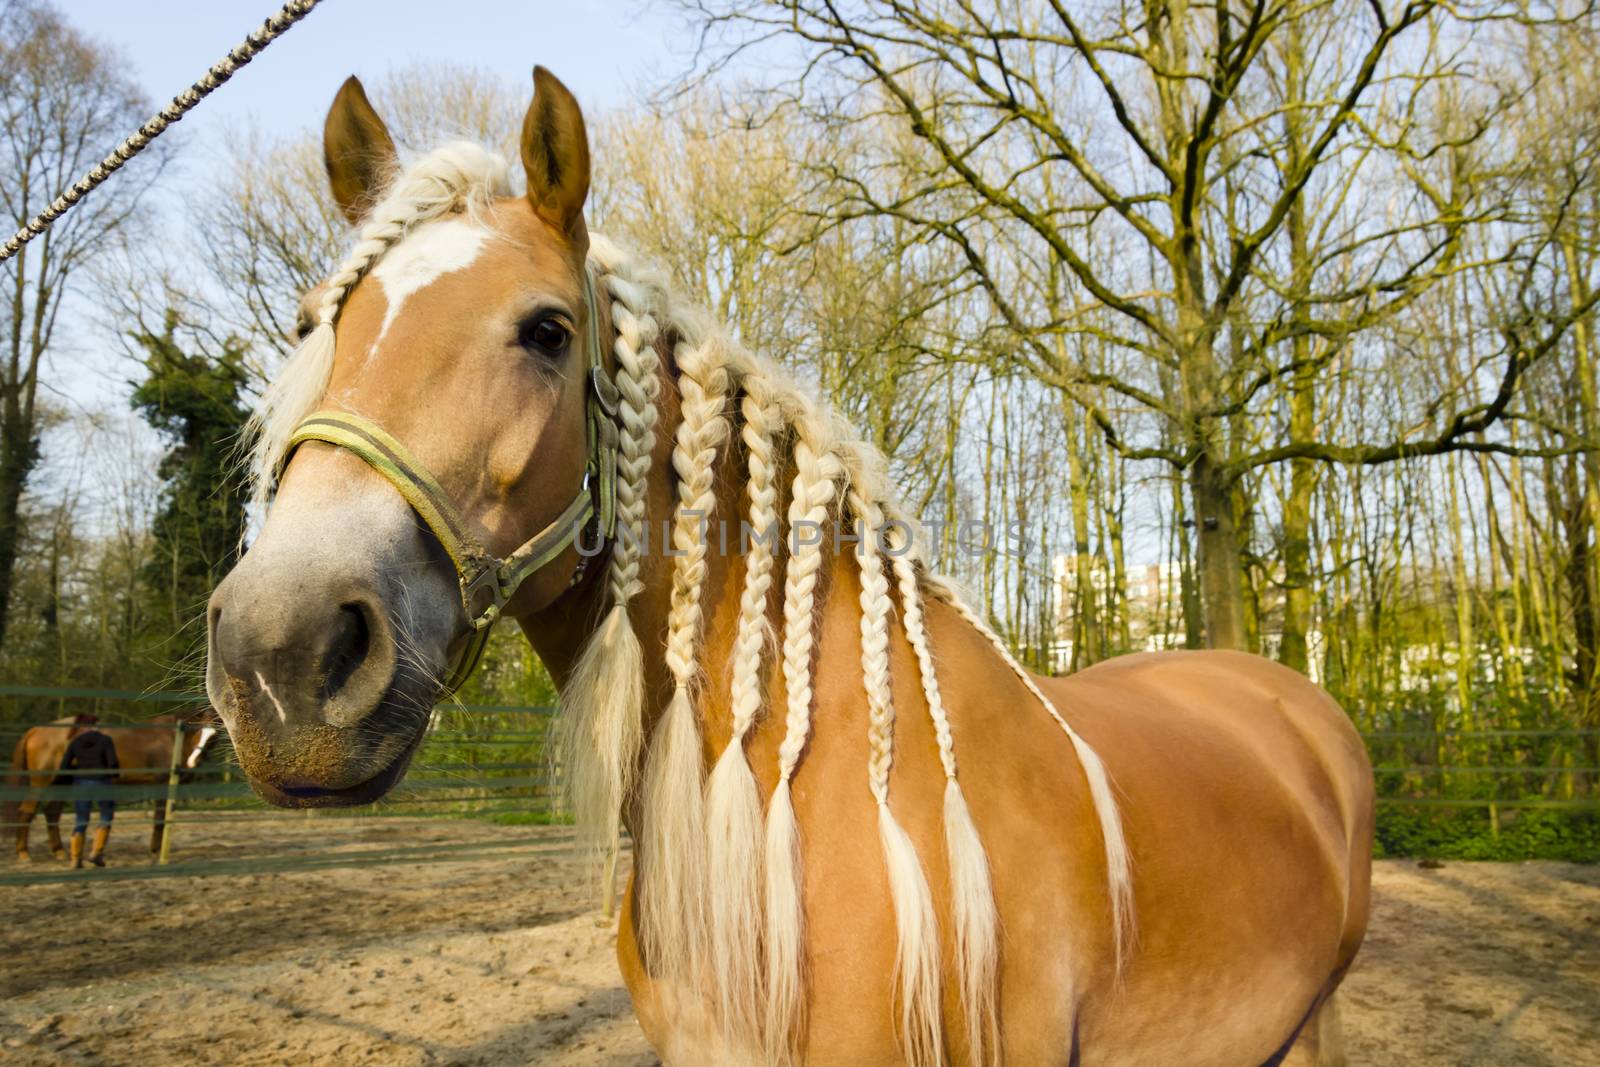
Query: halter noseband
point(486, 581)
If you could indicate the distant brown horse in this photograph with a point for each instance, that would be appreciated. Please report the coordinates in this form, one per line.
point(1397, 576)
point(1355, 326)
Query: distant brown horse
point(145, 753)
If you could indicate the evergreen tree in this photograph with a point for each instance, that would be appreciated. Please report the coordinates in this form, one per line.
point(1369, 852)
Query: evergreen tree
point(196, 402)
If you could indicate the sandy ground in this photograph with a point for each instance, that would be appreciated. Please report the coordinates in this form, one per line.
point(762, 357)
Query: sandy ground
point(492, 954)
point(1478, 965)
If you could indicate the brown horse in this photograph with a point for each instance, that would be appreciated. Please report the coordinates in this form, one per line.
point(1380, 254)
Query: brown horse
point(1164, 859)
point(144, 753)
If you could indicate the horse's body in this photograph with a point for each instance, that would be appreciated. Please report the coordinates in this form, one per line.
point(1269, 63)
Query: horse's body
point(1244, 790)
point(861, 930)
point(1250, 834)
point(144, 754)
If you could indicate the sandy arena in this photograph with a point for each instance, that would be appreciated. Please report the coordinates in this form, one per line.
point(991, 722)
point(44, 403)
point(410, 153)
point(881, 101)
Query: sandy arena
point(492, 954)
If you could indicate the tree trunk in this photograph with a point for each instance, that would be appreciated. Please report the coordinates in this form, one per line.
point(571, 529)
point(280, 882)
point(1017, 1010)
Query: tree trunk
point(1297, 592)
point(1303, 472)
point(1188, 581)
point(19, 452)
point(1297, 578)
point(1221, 570)
point(1086, 630)
point(1466, 633)
point(1118, 629)
point(1250, 577)
point(1585, 642)
point(1586, 506)
point(1506, 632)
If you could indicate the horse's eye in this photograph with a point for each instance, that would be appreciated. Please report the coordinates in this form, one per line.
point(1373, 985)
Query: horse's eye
point(544, 334)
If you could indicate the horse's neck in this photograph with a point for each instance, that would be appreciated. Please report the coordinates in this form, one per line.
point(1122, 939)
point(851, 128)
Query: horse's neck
point(559, 633)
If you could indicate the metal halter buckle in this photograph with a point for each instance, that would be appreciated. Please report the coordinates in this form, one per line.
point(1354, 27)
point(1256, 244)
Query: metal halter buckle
point(486, 579)
point(605, 391)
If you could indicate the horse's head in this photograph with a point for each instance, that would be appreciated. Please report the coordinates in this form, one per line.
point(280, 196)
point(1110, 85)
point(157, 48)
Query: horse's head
point(447, 456)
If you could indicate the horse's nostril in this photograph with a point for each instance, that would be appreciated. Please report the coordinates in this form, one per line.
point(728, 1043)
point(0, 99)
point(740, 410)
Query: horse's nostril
point(347, 648)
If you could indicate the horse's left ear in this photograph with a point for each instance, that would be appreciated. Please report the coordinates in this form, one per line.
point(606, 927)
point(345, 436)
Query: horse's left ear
point(555, 153)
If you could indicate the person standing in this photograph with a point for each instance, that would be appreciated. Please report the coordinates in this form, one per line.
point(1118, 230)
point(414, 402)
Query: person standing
point(91, 754)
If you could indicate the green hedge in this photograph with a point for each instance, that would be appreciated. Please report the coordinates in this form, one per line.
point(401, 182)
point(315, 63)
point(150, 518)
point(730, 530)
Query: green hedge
point(1468, 834)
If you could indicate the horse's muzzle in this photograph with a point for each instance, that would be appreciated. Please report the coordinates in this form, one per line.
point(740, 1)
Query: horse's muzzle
point(309, 677)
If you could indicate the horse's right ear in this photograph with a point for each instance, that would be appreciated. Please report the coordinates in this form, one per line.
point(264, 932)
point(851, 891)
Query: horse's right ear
point(358, 151)
point(555, 153)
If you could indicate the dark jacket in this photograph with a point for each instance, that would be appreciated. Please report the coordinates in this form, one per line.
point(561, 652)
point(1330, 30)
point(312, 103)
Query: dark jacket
point(90, 751)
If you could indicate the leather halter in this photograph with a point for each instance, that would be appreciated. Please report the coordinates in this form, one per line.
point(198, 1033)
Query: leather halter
point(486, 581)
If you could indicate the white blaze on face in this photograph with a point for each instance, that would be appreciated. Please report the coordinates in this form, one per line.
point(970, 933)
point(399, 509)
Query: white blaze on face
point(427, 253)
point(277, 705)
point(206, 734)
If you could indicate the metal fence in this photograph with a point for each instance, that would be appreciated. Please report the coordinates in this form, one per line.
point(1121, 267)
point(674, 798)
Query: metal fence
point(476, 761)
point(495, 762)
point(1508, 769)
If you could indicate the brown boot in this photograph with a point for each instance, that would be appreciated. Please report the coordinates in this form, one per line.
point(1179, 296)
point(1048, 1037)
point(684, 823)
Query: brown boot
point(98, 855)
point(77, 851)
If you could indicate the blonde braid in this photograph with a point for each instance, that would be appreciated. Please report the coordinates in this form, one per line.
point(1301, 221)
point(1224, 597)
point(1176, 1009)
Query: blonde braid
point(602, 731)
point(639, 389)
point(1118, 864)
point(733, 802)
point(917, 943)
point(905, 571)
point(703, 382)
point(812, 495)
point(673, 923)
point(974, 918)
point(761, 427)
point(875, 646)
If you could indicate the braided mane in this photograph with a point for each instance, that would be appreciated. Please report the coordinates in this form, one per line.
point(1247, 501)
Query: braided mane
point(720, 879)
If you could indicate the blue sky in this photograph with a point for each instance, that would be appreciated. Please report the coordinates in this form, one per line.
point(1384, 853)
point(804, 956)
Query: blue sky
point(605, 50)
point(609, 52)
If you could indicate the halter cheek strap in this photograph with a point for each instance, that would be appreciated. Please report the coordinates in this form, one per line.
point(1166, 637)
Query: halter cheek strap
point(486, 581)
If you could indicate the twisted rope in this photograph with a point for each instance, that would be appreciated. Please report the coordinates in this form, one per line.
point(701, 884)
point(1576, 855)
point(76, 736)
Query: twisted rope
point(274, 27)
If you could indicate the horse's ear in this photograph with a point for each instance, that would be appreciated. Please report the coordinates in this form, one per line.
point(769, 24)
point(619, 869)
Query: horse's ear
point(357, 149)
point(555, 153)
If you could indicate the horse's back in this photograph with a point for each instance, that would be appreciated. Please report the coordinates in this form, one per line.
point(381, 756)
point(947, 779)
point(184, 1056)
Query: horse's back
point(1246, 796)
point(1208, 717)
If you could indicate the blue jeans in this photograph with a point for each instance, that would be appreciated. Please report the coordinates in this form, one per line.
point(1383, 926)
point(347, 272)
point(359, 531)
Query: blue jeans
point(84, 801)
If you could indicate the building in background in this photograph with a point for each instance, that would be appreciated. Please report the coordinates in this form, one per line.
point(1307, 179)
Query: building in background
point(1145, 615)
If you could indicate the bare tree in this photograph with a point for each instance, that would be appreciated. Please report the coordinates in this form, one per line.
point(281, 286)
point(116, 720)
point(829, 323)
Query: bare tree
point(269, 229)
point(64, 100)
point(1206, 175)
